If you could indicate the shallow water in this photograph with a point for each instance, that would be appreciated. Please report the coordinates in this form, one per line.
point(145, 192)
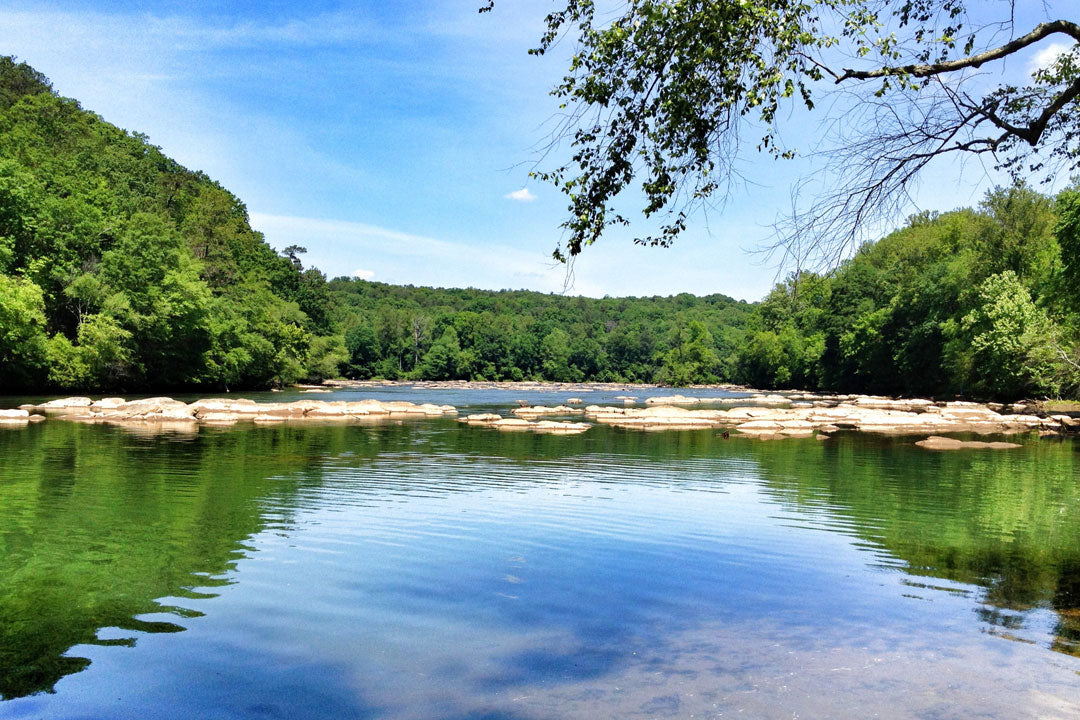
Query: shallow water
point(426, 569)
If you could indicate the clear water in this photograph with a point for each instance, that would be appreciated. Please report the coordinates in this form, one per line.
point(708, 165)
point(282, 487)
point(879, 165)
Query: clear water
point(426, 569)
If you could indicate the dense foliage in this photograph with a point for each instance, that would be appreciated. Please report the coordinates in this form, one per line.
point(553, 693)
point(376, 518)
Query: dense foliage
point(121, 269)
point(978, 302)
point(515, 335)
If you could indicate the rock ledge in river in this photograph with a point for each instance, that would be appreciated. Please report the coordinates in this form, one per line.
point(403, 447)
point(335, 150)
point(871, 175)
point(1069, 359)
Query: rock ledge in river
point(228, 411)
point(935, 442)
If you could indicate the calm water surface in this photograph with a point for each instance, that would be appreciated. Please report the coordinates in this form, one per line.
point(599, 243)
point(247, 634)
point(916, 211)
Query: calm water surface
point(431, 570)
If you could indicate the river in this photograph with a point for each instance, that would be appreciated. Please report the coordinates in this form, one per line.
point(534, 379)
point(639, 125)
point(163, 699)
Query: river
point(426, 569)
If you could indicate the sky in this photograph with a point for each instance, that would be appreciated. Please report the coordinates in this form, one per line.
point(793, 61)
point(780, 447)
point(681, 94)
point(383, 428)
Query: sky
point(394, 140)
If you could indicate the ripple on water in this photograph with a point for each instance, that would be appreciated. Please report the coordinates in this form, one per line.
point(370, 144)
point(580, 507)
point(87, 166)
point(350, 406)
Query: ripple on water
point(428, 570)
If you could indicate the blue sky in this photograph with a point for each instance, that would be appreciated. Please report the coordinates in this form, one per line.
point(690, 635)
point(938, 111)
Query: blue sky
point(393, 140)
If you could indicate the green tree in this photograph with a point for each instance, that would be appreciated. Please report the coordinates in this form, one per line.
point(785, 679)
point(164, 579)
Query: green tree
point(662, 93)
point(105, 348)
point(1011, 341)
point(1067, 232)
point(17, 80)
point(363, 349)
point(442, 358)
point(326, 356)
point(22, 332)
point(692, 358)
point(1020, 237)
point(555, 357)
point(149, 274)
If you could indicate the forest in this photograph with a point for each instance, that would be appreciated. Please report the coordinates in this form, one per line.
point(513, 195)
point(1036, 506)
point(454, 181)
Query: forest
point(122, 270)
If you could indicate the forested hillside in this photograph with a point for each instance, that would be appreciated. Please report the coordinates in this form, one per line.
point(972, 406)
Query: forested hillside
point(396, 331)
point(121, 269)
point(982, 302)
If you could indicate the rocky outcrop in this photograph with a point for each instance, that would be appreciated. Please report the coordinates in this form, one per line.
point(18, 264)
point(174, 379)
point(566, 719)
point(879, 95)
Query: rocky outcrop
point(499, 422)
point(18, 418)
point(763, 416)
point(540, 410)
point(63, 403)
point(862, 413)
point(755, 400)
point(229, 411)
point(560, 428)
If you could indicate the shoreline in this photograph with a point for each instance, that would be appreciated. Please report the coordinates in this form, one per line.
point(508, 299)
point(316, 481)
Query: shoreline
point(784, 414)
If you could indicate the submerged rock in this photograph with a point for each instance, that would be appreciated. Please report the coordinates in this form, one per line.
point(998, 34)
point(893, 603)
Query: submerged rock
point(480, 418)
point(943, 443)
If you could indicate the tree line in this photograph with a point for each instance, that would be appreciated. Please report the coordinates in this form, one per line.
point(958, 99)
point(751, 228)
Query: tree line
point(122, 270)
point(982, 302)
point(406, 332)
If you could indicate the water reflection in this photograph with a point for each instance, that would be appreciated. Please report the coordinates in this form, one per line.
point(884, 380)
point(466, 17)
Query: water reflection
point(431, 570)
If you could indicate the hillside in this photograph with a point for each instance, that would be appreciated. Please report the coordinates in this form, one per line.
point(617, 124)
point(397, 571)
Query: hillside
point(121, 269)
point(394, 331)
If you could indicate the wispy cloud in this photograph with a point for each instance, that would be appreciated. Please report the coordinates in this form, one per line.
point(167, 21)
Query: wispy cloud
point(336, 246)
point(363, 274)
point(322, 30)
point(1046, 57)
point(522, 195)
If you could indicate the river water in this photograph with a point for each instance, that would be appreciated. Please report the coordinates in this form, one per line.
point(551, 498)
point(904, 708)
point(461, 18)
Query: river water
point(426, 569)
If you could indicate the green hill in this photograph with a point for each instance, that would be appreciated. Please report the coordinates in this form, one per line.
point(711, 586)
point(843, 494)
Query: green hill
point(394, 331)
point(121, 269)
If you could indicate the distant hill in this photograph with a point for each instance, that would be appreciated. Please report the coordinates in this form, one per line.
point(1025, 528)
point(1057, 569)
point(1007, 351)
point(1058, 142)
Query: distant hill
point(396, 331)
point(120, 269)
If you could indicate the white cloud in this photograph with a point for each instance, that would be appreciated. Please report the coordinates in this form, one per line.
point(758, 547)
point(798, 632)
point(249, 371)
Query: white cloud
point(336, 246)
point(1046, 57)
point(522, 195)
point(698, 264)
point(363, 274)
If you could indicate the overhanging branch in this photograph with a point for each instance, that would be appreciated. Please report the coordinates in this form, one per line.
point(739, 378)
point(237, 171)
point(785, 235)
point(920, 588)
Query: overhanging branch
point(1041, 31)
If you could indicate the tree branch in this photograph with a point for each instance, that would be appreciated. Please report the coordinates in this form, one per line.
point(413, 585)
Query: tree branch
point(1042, 30)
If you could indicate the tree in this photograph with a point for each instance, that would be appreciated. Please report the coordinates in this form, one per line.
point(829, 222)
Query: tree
point(441, 360)
point(666, 93)
point(293, 253)
point(1010, 341)
point(18, 80)
point(1068, 236)
point(555, 357)
point(692, 358)
point(363, 349)
point(22, 331)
